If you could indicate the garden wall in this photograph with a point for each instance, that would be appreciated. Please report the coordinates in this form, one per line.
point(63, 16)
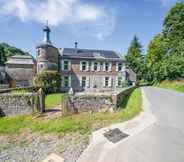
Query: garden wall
point(14, 104)
point(118, 97)
point(96, 102)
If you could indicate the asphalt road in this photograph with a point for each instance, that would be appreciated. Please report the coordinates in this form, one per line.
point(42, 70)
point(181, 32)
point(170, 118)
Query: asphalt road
point(162, 141)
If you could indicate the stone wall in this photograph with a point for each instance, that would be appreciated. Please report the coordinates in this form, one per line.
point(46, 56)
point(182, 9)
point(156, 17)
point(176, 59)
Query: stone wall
point(14, 104)
point(92, 103)
point(97, 102)
point(117, 98)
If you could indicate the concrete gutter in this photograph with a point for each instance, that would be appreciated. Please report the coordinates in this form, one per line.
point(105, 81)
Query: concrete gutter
point(100, 144)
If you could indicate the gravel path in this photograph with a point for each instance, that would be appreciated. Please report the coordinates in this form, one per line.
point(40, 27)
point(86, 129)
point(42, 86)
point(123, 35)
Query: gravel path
point(35, 148)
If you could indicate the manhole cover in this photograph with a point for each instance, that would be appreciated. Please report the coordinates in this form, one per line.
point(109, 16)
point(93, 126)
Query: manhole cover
point(115, 135)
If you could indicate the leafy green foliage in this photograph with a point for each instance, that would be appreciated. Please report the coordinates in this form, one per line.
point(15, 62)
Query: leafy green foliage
point(173, 27)
point(135, 59)
point(7, 51)
point(165, 55)
point(50, 81)
point(2, 56)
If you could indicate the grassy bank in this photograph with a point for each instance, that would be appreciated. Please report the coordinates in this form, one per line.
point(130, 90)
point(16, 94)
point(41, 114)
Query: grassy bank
point(84, 123)
point(173, 85)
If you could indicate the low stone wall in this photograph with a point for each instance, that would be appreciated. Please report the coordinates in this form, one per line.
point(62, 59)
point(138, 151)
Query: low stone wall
point(92, 103)
point(118, 97)
point(96, 103)
point(14, 104)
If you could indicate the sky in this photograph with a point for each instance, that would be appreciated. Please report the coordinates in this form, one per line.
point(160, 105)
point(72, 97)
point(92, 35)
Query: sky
point(94, 24)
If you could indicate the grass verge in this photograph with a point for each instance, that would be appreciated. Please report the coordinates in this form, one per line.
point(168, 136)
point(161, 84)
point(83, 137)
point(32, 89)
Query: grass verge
point(177, 85)
point(84, 123)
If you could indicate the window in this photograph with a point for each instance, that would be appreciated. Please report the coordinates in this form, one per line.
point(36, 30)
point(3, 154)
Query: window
point(66, 81)
point(106, 81)
point(65, 65)
point(95, 66)
point(84, 64)
point(83, 81)
point(106, 66)
point(119, 66)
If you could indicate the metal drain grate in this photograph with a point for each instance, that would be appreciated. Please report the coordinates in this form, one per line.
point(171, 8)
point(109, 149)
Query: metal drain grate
point(115, 135)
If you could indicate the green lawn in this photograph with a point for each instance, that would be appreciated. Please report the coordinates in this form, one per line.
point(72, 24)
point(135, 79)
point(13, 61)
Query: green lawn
point(84, 123)
point(53, 100)
point(173, 85)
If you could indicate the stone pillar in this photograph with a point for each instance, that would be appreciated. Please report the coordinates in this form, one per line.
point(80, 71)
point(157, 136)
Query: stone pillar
point(41, 97)
point(114, 99)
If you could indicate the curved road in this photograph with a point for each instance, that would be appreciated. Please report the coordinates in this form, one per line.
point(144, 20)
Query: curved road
point(162, 141)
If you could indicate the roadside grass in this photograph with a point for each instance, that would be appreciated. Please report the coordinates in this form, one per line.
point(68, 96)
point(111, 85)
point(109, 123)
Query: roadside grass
point(53, 100)
point(177, 85)
point(83, 123)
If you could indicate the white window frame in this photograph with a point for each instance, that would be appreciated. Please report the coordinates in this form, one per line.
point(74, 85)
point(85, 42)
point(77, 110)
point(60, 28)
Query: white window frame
point(81, 65)
point(95, 66)
point(87, 84)
point(84, 81)
point(106, 81)
point(63, 65)
point(69, 81)
point(106, 66)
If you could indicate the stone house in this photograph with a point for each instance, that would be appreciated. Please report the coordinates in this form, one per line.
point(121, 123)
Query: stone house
point(82, 69)
point(85, 69)
point(20, 70)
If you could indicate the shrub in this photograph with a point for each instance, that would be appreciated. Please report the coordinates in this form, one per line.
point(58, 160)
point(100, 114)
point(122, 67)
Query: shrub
point(50, 81)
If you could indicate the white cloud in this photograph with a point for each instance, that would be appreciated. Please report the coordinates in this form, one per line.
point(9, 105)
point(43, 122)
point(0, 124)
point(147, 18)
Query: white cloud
point(61, 12)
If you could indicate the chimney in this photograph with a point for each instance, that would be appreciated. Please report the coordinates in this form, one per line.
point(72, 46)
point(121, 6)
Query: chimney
point(76, 44)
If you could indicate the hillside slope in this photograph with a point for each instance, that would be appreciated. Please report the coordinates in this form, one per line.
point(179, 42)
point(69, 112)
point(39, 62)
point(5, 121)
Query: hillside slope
point(177, 85)
point(7, 51)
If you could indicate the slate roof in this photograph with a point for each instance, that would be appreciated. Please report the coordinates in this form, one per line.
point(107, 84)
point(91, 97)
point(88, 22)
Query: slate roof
point(89, 53)
point(21, 59)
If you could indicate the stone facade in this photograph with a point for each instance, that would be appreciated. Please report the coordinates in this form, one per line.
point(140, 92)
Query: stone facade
point(20, 70)
point(47, 58)
point(95, 79)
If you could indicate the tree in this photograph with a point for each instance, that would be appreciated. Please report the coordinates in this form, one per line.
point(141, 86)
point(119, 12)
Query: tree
point(2, 56)
point(173, 27)
point(135, 59)
point(50, 81)
point(156, 49)
point(156, 52)
point(165, 54)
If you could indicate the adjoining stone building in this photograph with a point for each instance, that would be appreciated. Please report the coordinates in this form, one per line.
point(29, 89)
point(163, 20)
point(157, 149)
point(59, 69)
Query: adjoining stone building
point(20, 70)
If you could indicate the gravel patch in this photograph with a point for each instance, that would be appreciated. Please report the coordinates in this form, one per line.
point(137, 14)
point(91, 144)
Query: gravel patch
point(35, 148)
